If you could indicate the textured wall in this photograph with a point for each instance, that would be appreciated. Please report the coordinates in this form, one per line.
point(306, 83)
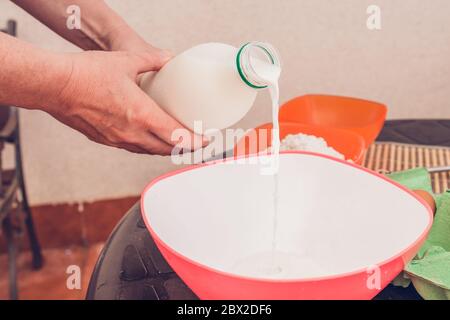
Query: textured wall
point(325, 47)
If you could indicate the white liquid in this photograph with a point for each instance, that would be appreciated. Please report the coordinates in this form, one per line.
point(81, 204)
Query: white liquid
point(274, 94)
point(271, 74)
point(202, 84)
point(288, 265)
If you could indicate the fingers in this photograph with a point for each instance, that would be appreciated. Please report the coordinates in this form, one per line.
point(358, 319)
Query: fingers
point(150, 60)
point(137, 141)
point(153, 145)
point(145, 143)
point(165, 56)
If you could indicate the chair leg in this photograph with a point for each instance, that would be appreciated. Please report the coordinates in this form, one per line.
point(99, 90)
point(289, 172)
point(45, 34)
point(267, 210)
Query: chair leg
point(12, 253)
point(35, 247)
point(37, 261)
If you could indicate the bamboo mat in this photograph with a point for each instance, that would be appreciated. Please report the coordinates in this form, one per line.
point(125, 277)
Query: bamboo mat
point(390, 157)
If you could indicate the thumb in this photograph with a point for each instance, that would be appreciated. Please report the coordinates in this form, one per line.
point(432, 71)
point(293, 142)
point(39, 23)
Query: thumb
point(151, 60)
point(165, 56)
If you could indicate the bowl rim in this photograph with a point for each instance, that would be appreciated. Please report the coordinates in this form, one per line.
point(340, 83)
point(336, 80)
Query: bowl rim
point(201, 265)
point(381, 106)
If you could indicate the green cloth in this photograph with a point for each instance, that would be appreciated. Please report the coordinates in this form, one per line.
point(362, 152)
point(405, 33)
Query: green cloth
point(413, 179)
point(429, 271)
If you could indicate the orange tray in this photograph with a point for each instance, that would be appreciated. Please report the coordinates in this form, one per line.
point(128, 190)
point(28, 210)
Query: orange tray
point(348, 143)
point(363, 117)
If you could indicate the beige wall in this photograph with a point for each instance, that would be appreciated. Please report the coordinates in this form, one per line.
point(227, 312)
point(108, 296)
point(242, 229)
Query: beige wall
point(325, 47)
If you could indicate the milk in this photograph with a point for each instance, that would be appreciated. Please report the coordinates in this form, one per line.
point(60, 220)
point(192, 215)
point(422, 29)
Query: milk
point(204, 84)
point(217, 84)
point(288, 266)
point(276, 264)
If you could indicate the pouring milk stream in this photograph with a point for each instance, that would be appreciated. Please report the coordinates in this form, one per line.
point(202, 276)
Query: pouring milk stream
point(217, 84)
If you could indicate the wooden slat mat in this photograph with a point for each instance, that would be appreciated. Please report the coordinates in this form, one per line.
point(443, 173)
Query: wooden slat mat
point(389, 156)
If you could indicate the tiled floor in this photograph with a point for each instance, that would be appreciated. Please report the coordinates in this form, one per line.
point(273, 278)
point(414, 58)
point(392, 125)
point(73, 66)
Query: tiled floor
point(62, 225)
point(70, 235)
point(50, 281)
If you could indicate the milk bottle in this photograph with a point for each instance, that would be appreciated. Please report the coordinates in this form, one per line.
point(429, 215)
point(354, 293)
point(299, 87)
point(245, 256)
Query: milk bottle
point(214, 83)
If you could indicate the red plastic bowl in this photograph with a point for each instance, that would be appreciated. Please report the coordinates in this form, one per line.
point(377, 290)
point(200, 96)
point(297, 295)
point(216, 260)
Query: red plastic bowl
point(365, 118)
point(344, 232)
point(349, 144)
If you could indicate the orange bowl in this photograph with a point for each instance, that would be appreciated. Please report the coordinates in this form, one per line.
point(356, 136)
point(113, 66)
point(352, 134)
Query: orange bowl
point(337, 228)
point(363, 117)
point(348, 143)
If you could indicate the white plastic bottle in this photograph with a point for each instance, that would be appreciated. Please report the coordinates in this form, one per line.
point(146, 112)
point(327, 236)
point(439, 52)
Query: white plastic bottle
point(213, 82)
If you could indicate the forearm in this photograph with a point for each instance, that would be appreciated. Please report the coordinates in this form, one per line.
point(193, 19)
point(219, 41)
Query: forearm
point(101, 27)
point(30, 77)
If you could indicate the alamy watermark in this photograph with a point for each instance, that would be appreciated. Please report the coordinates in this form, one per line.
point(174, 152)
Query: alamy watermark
point(73, 21)
point(373, 21)
point(243, 144)
point(373, 281)
point(73, 281)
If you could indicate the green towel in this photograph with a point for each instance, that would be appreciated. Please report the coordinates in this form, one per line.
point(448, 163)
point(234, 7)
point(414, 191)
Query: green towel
point(413, 179)
point(429, 271)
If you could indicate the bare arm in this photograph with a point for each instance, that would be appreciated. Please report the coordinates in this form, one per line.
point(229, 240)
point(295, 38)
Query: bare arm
point(93, 92)
point(101, 28)
point(29, 77)
point(84, 91)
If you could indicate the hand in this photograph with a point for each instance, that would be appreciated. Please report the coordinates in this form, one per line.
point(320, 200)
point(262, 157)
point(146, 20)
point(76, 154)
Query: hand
point(126, 39)
point(102, 100)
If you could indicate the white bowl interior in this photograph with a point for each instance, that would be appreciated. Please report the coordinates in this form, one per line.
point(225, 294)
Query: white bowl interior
point(332, 217)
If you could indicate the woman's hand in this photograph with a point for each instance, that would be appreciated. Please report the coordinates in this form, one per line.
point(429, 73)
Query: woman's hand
point(102, 100)
point(93, 92)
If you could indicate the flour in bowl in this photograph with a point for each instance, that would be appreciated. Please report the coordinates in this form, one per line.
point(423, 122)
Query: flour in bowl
point(305, 142)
